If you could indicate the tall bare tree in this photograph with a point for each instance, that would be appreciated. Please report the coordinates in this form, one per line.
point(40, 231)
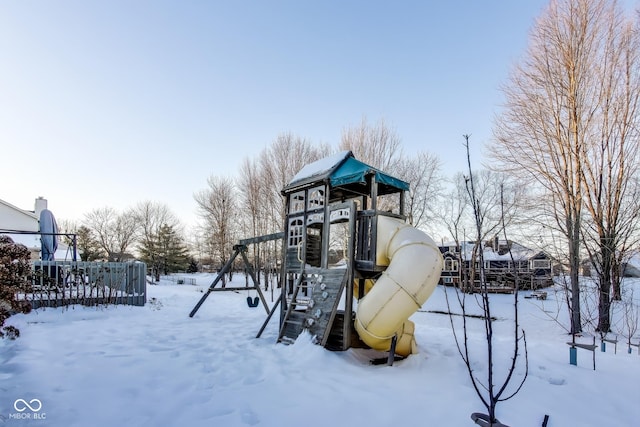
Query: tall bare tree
point(217, 207)
point(151, 217)
point(613, 154)
point(376, 144)
point(499, 198)
point(115, 232)
point(423, 173)
point(554, 113)
point(453, 210)
point(279, 163)
point(252, 189)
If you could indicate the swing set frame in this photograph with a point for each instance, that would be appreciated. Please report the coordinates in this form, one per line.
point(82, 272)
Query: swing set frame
point(240, 249)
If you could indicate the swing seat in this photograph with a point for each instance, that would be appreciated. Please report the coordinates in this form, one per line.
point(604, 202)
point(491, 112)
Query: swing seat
point(253, 302)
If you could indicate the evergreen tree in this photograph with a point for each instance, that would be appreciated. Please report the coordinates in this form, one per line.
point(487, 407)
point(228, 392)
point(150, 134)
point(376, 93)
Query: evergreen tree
point(164, 252)
point(149, 253)
point(88, 247)
point(193, 266)
point(174, 253)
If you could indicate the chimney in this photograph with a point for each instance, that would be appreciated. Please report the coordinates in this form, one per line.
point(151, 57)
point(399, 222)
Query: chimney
point(41, 204)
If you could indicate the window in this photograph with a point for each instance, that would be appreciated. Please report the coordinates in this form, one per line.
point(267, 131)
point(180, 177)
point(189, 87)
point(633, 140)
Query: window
point(540, 263)
point(295, 232)
point(316, 198)
point(498, 265)
point(450, 265)
point(447, 280)
point(296, 202)
point(316, 218)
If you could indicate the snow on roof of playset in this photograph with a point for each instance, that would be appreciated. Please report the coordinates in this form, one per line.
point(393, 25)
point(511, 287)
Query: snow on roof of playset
point(342, 169)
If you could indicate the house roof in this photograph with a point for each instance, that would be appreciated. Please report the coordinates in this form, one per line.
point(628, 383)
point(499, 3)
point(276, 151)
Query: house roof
point(344, 170)
point(30, 214)
point(518, 251)
point(14, 219)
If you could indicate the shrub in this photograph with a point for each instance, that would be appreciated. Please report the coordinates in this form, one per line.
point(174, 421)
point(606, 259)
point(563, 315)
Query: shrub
point(14, 278)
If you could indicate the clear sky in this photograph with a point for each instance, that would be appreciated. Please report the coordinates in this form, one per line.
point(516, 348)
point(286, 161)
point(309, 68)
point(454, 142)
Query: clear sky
point(107, 103)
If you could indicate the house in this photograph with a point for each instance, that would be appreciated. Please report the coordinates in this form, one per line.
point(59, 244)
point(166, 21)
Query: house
point(12, 218)
point(631, 268)
point(505, 261)
point(23, 227)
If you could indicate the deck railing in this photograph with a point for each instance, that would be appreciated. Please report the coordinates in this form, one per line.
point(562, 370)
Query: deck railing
point(62, 283)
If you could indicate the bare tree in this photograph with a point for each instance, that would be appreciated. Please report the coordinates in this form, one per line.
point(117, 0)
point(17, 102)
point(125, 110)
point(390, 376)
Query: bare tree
point(499, 196)
point(115, 232)
point(251, 200)
point(453, 210)
point(251, 190)
point(551, 114)
point(613, 150)
point(377, 145)
point(423, 173)
point(491, 390)
point(217, 208)
point(630, 317)
point(151, 217)
point(279, 163)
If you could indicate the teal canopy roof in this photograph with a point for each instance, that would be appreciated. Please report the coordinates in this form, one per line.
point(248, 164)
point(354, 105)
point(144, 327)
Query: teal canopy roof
point(353, 171)
point(342, 170)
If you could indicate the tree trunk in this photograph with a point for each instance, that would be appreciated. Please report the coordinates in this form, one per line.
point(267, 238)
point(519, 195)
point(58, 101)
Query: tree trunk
point(574, 261)
point(616, 278)
point(604, 287)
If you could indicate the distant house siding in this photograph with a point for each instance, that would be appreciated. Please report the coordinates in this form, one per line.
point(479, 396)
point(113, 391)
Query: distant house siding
point(450, 275)
point(530, 270)
point(14, 218)
point(631, 271)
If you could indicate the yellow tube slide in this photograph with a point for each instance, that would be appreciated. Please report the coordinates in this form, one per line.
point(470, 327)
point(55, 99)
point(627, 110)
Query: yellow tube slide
point(414, 266)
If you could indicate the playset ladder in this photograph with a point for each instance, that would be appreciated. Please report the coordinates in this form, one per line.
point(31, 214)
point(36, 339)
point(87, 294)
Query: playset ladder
point(318, 309)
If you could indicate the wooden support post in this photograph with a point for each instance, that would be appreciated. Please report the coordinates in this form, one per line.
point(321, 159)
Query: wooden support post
point(611, 341)
point(221, 273)
point(573, 351)
point(573, 356)
point(392, 351)
point(266, 322)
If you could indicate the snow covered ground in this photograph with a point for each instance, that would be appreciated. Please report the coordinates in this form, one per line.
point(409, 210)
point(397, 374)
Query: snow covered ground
point(155, 366)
